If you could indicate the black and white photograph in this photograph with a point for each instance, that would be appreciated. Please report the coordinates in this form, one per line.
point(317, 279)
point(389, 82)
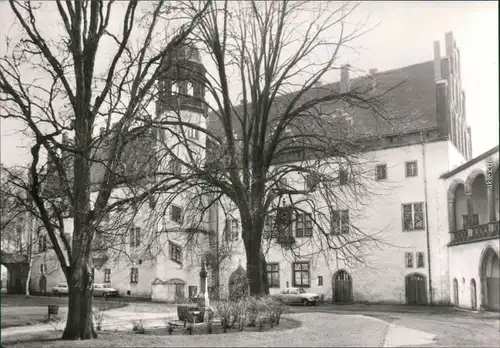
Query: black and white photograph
point(252, 173)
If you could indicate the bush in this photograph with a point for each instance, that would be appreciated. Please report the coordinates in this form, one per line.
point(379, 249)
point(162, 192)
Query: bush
point(250, 311)
point(138, 327)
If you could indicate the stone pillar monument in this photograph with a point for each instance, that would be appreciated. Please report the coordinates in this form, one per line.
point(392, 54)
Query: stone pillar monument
point(203, 300)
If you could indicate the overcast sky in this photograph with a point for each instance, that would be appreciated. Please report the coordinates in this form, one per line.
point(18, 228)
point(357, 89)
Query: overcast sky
point(404, 37)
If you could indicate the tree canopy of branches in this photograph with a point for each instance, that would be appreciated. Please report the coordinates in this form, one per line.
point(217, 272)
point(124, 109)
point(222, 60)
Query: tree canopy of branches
point(276, 54)
point(95, 64)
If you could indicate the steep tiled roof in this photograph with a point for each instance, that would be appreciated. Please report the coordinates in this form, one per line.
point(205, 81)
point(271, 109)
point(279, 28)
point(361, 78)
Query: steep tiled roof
point(410, 101)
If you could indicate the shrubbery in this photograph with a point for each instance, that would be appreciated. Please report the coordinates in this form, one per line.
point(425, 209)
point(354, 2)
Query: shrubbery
point(248, 311)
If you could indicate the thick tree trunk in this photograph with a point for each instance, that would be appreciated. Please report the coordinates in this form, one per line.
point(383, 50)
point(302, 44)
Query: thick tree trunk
point(256, 272)
point(79, 325)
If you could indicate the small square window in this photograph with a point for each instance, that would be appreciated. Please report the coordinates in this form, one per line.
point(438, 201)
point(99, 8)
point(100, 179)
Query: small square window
point(381, 172)
point(411, 169)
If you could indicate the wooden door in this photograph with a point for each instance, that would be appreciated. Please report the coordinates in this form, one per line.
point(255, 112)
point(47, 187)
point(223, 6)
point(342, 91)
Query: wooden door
point(179, 292)
point(343, 287)
point(493, 292)
point(473, 294)
point(416, 292)
point(456, 298)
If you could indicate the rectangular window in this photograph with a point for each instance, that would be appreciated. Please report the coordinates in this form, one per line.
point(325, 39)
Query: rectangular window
point(301, 274)
point(232, 229)
point(311, 182)
point(409, 260)
point(411, 168)
point(465, 220)
point(283, 183)
point(420, 260)
point(107, 275)
point(175, 166)
point(176, 214)
point(135, 237)
point(413, 216)
point(42, 243)
point(43, 268)
point(269, 227)
point(134, 275)
point(192, 290)
point(343, 177)
point(303, 225)
point(273, 275)
point(339, 221)
point(175, 252)
point(381, 172)
point(320, 280)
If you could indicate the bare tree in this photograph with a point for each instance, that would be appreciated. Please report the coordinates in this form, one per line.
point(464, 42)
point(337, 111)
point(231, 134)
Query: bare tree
point(100, 64)
point(276, 54)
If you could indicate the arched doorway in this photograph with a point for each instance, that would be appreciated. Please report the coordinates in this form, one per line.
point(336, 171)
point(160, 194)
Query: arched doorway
point(415, 288)
point(456, 298)
point(490, 280)
point(473, 294)
point(342, 287)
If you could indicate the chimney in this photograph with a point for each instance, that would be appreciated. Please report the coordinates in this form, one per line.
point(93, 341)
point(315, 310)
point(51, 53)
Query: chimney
point(344, 78)
point(65, 138)
point(449, 43)
point(442, 108)
point(437, 61)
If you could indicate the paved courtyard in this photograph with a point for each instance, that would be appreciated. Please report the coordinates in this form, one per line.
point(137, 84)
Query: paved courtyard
point(376, 326)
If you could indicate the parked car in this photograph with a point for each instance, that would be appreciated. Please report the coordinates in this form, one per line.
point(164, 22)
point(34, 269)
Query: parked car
point(104, 290)
point(297, 296)
point(61, 289)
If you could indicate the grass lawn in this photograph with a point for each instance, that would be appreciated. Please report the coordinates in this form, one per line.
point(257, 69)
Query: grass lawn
point(17, 310)
point(153, 337)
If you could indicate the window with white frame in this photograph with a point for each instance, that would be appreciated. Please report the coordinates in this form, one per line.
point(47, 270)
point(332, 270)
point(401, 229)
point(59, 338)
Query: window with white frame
point(107, 275)
point(343, 176)
point(311, 182)
point(175, 88)
point(339, 221)
point(413, 216)
point(273, 275)
point(175, 166)
point(409, 260)
point(269, 231)
point(381, 172)
point(420, 260)
point(301, 274)
point(134, 275)
point(411, 169)
point(134, 237)
point(303, 224)
point(176, 214)
point(175, 252)
point(192, 133)
point(43, 268)
point(232, 229)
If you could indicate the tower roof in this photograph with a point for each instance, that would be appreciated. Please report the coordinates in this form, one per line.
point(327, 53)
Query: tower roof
point(187, 51)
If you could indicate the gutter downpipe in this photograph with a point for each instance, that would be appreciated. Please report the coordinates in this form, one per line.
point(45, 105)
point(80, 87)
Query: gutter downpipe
point(431, 297)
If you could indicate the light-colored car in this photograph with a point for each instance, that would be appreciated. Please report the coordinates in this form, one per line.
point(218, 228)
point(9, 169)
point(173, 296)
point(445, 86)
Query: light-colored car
point(104, 290)
point(297, 296)
point(61, 289)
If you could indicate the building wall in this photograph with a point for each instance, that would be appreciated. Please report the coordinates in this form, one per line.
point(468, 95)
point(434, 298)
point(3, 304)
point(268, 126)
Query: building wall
point(465, 264)
point(381, 275)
